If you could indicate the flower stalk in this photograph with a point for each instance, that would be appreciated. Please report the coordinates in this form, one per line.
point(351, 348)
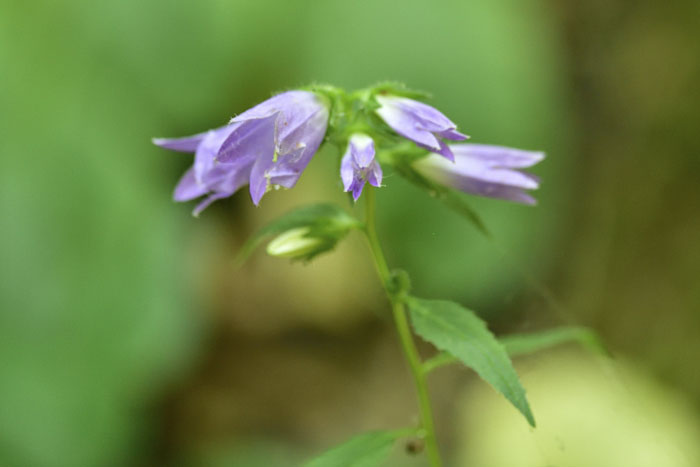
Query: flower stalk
point(404, 331)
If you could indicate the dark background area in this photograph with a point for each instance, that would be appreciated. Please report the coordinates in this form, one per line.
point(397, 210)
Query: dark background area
point(127, 336)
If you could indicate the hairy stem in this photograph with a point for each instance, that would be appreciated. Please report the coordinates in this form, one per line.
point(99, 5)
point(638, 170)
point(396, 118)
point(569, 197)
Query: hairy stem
point(405, 336)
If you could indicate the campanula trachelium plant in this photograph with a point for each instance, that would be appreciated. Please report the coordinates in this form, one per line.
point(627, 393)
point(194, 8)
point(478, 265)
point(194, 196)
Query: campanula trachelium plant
point(384, 127)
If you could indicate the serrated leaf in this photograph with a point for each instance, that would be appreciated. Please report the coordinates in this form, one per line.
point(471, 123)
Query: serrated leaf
point(365, 450)
point(523, 344)
point(326, 221)
point(458, 331)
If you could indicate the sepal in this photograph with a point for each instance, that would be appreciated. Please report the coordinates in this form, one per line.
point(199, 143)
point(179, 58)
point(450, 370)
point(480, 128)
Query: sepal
point(396, 88)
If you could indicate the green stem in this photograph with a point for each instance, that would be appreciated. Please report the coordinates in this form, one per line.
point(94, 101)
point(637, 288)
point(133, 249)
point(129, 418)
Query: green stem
point(404, 330)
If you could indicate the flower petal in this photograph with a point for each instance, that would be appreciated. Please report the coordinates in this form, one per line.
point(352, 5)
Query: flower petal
point(299, 113)
point(258, 184)
point(303, 120)
point(445, 151)
point(361, 147)
point(500, 176)
point(374, 174)
point(205, 163)
point(347, 172)
point(498, 156)
point(283, 173)
point(296, 148)
point(185, 144)
point(452, 134)
point(484, 170)
point(427, 117)
point(357, 187)
point(235, 179)
point(188, 188)
point(246, 138)
point(494, 190)
point(403, 124)
point(273, 105)
point(478, 170)
point(419, 122)
point(207, 201)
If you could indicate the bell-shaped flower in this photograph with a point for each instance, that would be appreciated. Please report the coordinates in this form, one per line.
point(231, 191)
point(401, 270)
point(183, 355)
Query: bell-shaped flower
point(206, 176)
point(268, 145)
point(424, 125)
point(275, 140)
point(359, 165)
point(484, 170)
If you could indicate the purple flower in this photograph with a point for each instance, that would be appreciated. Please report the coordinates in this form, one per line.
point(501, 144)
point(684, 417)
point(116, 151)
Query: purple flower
point(484, 170)
point(419, 122)
point(205, 176)
point(359, 166)
point(268, 145)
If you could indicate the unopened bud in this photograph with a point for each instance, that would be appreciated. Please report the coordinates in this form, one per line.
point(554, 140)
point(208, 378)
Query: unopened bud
point(295, 243)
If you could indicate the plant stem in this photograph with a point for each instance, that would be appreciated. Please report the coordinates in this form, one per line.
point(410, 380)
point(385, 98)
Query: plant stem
point(407, 344)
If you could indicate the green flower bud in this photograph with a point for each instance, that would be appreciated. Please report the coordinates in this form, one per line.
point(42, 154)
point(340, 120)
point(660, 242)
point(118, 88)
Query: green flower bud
point(296, 243)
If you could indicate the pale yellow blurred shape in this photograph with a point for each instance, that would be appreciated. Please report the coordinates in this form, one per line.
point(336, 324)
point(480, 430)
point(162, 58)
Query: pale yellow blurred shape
point(590, 412)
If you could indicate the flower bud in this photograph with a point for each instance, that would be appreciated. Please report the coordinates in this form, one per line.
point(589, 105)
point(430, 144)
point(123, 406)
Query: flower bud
point(296, 244)
point(359, 165)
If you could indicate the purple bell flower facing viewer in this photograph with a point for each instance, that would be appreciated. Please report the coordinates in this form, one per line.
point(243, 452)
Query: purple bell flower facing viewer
point(484, 170)
point(266, 146)
point(419, 122)
point(359, 166)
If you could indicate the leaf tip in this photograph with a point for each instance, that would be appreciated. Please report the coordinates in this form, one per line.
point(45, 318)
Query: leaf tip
point(530, 418)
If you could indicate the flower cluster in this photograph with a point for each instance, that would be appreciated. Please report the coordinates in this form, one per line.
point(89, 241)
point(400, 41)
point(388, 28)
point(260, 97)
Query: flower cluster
point(270, 145)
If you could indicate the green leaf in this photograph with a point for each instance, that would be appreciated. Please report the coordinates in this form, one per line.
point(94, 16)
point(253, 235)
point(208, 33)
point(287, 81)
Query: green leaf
point(458, 204)
point(523, 344)
point(327, 223)
point(365, 450)
point(401, 160)
point(458, 331)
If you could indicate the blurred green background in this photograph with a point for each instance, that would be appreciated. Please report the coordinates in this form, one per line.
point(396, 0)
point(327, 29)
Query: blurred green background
point(128, 339)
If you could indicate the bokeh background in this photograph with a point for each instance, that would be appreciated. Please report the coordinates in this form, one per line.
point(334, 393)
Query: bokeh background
point(127, 337)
